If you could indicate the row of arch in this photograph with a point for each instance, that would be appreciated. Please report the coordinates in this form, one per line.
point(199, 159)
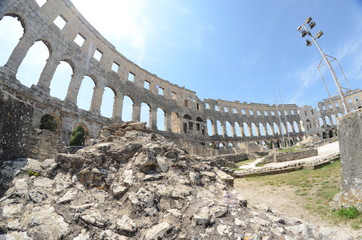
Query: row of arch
point(251, 129)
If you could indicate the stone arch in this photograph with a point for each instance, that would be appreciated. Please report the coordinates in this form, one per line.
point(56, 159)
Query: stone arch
point(262, 130)
point(246, 129)
point(238, 129)
point(328, 122)
point(210, 129)
point(219, 128)
point(10, 23)
point(296, 127)
point(61, 80)
point(228, 129)
point(50, 121)
point(200, 125)
point(289, 127)
point(33, 64)
point(334, 120)
point(282, 128)
point(161, 119)
point(269, 130)
point(127, 108)
point(276, 129)
point(145, 113)
point(108, 99)
point(84, 98)
point(254, 130)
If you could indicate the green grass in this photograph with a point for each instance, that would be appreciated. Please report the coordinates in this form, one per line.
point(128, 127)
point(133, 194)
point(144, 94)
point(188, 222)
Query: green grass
point(316, 189)
point(244, 162)
point(291, 149)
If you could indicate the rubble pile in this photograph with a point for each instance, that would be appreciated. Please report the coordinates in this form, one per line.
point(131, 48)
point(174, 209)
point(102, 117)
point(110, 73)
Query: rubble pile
point(131, 184)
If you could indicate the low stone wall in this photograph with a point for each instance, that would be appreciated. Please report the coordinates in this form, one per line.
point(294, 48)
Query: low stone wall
point(284, 157)
point(293, 166)
point(45, 144)
point(350, 145)
point(15, 126)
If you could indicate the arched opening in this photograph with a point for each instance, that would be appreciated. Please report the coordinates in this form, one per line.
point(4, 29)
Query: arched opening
point(145, 113)
point(49, 122)
point(209, 127)
point(12, 30)
point(107, 102)
point(228, 129)
point(321, 123)
point(246, 129)
point(219, 128)
point(161, 119)
point(276, 129)
point(254, 130)
point(175, 123)
point(334, 120)
point(33, 64)
point(61, 79)
point(84, 98)
point(127, 109)
point(289, 126)
point(282, 126)
point(261, 129)
point(328, 122)
point(296, 128)
point(269, 129)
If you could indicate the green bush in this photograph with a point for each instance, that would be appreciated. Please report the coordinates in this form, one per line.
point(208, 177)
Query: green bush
point(48, 122)
point(77, 138)
point(31, 172)
point(347, 213)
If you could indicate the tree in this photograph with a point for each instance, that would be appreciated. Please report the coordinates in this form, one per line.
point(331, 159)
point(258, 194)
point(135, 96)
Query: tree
point(48, 122)
point(77, 138)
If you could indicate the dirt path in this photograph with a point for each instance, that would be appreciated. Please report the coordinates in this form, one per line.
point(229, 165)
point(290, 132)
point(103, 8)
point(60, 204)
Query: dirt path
point(282, 199)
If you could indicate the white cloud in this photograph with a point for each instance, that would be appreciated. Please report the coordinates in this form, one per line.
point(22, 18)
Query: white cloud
point(123, 23)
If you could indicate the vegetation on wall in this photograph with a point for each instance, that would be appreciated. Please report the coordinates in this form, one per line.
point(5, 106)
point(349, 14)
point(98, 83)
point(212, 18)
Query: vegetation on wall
point(48, 122)
point(77, 138)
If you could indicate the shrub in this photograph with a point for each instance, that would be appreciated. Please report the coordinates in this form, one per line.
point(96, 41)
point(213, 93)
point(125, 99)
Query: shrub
point(347, 213)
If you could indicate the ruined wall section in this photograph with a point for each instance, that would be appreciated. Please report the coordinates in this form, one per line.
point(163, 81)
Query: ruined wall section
point(15, 126)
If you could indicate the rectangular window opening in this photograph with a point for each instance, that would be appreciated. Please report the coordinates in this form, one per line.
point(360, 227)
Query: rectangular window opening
point(131, 76)
point(115, 67)
point(161, 90)
point(98, 54)
point(79, 39)
point(186, 103)
point(146, 85)
point(60, 21)
point(173, 96)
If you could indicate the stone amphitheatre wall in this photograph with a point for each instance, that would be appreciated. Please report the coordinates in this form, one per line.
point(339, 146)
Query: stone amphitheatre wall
point(185, 115)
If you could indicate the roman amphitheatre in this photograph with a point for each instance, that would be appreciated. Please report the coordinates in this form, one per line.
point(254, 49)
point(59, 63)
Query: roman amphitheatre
point(160, 181)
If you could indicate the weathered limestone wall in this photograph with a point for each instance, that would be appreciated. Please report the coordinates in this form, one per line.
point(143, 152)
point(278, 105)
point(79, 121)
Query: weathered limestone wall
point(350, 145)
point(15, 126)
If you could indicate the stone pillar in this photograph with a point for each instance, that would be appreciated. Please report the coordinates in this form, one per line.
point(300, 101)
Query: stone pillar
point(136, 112)
point(214, 129)
point(224, 132)
point(73, 88)
point(153, 118)
point(117, 107)
point(167, 122)
point(19, 53)
point(47, 74)
point(250, 129)
point(350, 145)
point(97, 99)
point(241, 129)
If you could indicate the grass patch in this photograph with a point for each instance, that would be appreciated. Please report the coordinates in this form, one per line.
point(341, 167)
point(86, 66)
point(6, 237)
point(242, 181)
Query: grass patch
point(291, 149)
point(244, 162)
point(347, 213)
point(315, 189)
point(31, 172)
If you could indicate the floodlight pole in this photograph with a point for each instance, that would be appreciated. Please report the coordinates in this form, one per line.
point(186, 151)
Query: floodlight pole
point(343, 99)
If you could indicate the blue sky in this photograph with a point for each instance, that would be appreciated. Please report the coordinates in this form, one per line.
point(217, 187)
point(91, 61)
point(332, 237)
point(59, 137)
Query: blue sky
point(236, 49)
